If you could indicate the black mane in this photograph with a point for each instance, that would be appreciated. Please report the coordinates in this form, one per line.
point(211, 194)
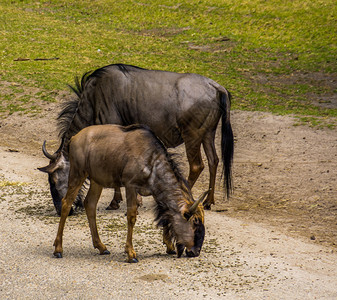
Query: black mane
point(69, 109)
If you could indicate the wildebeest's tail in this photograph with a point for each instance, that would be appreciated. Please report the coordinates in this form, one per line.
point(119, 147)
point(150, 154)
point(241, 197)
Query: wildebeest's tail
point(227, 140)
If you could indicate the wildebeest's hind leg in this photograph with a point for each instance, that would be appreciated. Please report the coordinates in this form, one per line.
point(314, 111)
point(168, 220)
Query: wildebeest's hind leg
point(90, 205)
point(213, 161)
point(74, 185)
point(167, 240)
point(114, 204)
point(131, 201)
point(192, 145)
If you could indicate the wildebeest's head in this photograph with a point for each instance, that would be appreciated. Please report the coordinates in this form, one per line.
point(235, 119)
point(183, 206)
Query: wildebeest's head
point(194, 214)
point(58, 173)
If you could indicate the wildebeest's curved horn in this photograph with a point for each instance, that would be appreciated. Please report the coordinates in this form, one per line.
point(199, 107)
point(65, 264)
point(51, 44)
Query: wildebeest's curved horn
point(194, 206)
point(52, 156)
point(45, 152)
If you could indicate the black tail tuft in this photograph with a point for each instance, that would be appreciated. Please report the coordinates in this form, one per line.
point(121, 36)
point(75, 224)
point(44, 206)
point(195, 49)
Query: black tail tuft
point(227, 141)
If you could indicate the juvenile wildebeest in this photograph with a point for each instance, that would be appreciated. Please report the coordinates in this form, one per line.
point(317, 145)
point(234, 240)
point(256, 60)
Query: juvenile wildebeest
point(179, 108)
point(132, 157)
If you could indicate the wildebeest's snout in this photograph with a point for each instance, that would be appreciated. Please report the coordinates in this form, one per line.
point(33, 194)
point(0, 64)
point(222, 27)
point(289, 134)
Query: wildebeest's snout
point(199, 235)
point(195, 251)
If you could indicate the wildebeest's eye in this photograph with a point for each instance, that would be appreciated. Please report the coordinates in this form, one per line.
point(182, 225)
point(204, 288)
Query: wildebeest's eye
point(187, 215)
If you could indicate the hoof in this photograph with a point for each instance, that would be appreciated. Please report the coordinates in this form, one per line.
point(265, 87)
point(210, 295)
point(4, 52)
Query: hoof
point(171, 252)
point(133, 261)
point(113, 206)
point(105, 252)
point(58, 255)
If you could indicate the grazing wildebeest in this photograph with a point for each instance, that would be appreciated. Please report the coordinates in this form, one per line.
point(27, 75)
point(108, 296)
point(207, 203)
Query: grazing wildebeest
point(179, 108)
point(132, 157)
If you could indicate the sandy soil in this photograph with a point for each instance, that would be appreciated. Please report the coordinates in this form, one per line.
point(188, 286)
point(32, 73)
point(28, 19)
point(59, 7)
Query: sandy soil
point(274, 239)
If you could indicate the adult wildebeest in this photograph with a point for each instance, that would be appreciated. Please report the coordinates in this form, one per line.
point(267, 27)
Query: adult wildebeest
point(115, 156)
point(179, 108)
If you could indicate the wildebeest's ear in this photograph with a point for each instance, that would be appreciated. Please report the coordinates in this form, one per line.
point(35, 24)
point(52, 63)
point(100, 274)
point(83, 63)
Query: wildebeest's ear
point(50, 168)
point(43, 169)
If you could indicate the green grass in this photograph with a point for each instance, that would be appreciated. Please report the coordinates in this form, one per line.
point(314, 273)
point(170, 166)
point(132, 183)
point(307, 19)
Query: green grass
point(277, 56)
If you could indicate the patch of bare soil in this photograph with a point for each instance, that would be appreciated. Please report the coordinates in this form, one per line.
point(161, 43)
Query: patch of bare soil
point(275, 238)
point(285, 176)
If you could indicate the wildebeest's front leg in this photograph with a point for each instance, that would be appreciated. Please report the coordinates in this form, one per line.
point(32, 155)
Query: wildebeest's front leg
point(90, 204)
point(114, 204)
point(73, 189)
point(131, 200)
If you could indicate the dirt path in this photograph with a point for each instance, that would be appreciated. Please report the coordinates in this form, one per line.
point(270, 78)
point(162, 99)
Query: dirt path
point(276, 238)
